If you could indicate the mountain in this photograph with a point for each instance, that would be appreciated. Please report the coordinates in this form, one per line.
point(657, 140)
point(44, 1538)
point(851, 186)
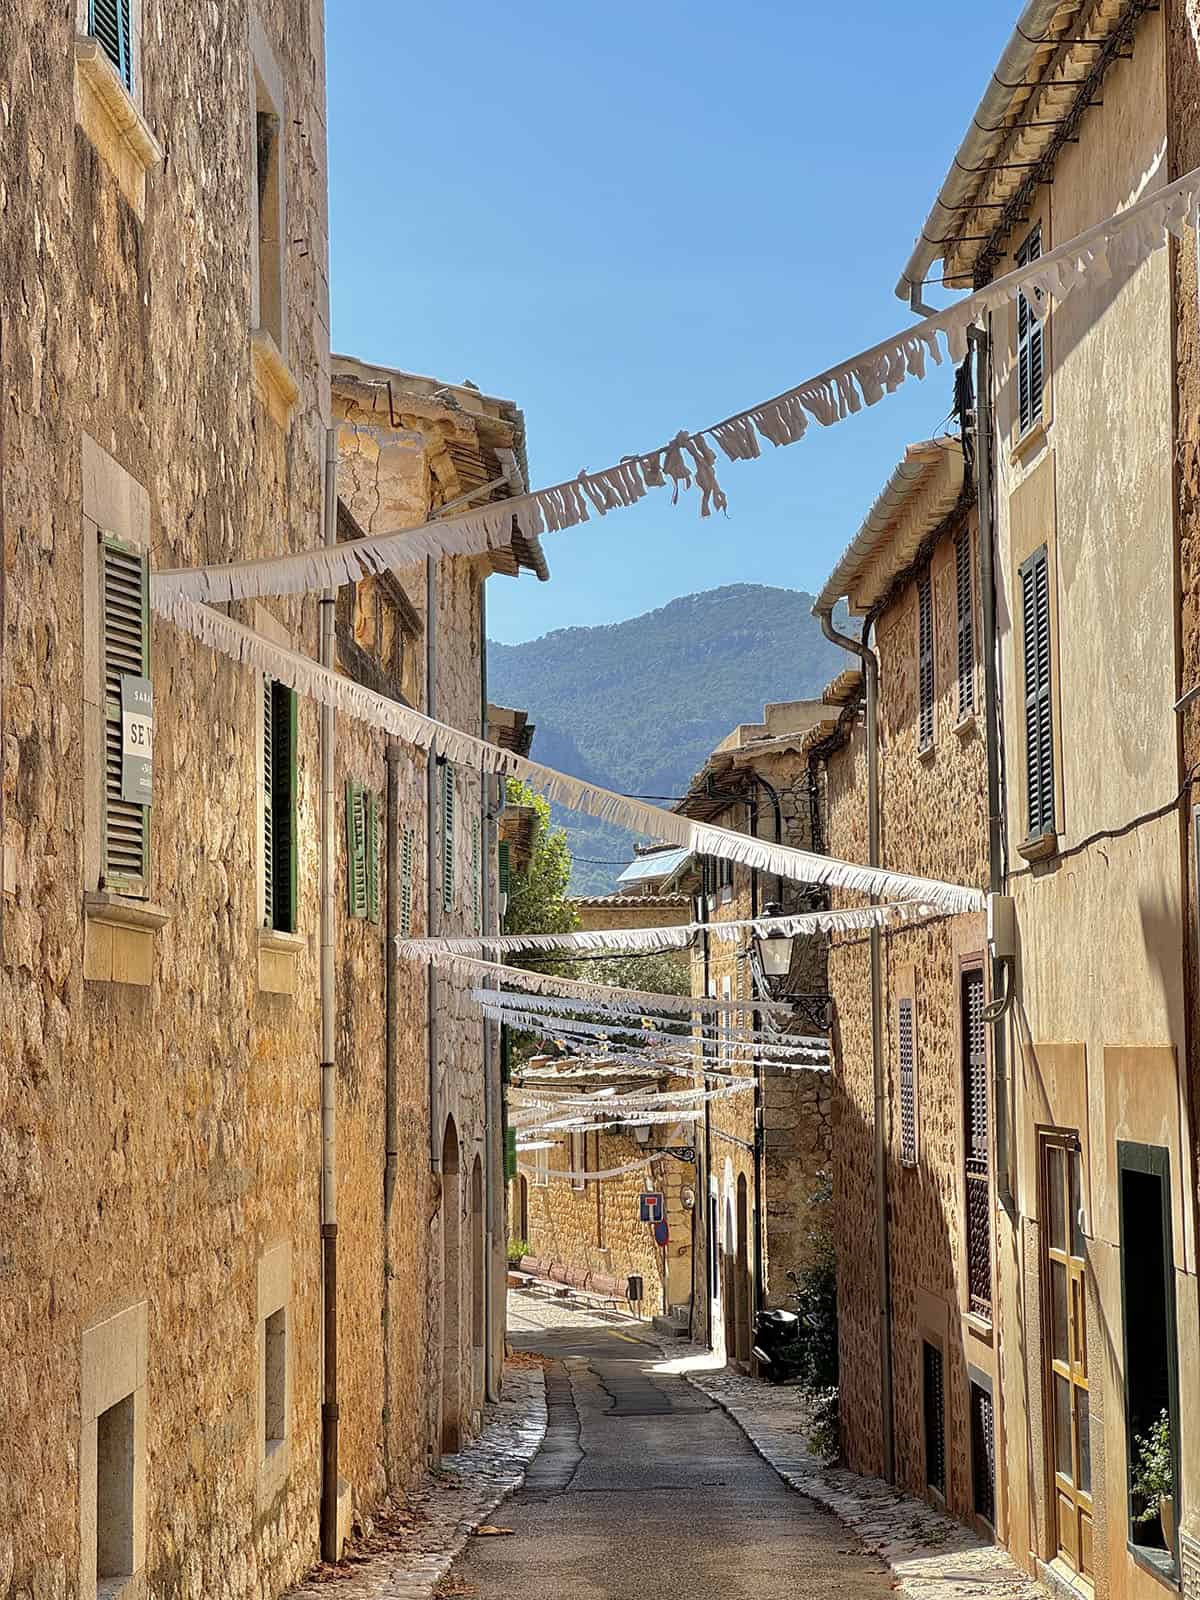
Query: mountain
point(638, 705)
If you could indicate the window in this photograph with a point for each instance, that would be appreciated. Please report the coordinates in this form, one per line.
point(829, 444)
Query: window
point(906, 1046)
point(125, 635)
point(934, 1398)
point(1034, 575)
point(925, 660)
point(966, 622)
point(408, 850)
point(577, 1159)
point(363, 813)
point(110, 23)
point(983, 1451)
point(448, 799)
point(1151, 1354)
point(541, 1166)
point(724, 872)
point(275, 1381)
point(1030, 347)
point(114, 1491)
point(280, 717)
point(976, 1145)
point(268, 212)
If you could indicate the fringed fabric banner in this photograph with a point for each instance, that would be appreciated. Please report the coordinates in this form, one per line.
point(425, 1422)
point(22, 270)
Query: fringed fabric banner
point(558, 1005)
point(548, 1027)
point(310, 678)
point(548, 983)
point(1120, 243)
point(591, 1177)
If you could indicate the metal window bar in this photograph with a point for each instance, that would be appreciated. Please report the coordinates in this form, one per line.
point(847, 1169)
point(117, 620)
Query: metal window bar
point(983, 1453)
point(908, 1083)
point(934, 1396)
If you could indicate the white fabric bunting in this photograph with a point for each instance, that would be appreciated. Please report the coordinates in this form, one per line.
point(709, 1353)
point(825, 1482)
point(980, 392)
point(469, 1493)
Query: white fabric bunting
point(310, 678)
point(591, 1177)
point(1120, 243)
point(561, 1027)
point(628, 1021)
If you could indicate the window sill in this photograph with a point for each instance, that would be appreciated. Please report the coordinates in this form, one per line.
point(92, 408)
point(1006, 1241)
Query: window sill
point(273, 382)
point(926, 752)
point(979, 1325)
point(273, 1471)
point(1030, 442)
point(1158, 1563)
point(106, 111)
point(967, 725)
point(277, 953)
point(1040, 848)
point(118, 938)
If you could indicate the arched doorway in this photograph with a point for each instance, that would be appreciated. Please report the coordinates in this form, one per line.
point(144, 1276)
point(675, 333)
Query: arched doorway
point(451, 1292)
point(478, 1287)
point(743, 1271)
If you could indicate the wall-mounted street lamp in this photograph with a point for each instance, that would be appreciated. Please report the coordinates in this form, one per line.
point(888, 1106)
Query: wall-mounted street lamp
point(775, 948)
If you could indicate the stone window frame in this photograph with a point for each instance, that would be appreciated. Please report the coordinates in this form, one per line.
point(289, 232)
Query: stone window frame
point(277, 951)
point(575, 1160)
point(118, 929)
point(113, 1361)
point(110, 114)
point(269, 342)
point(274, 1457)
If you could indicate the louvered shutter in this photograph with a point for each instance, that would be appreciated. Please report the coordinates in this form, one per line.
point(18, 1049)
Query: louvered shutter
point(976, 1132)
point(109, 24)
point(906, 1043)
point(373, 862)
point(408, 843)
point(476, 878)
point(1039, 724)
point(282, 719)
point(447, 837)
point(1030, 345)
point(505, 870)
point(925, 659)
point(125, 636)
point(966, 622)
point(935, 1417)
point(356, 851)
point(268, 734)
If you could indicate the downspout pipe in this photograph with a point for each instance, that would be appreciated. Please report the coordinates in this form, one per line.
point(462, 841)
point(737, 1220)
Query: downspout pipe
point(329, 1401)
point(391, 1051)
point(432, 872)
point(870, 665)
point(980, 340)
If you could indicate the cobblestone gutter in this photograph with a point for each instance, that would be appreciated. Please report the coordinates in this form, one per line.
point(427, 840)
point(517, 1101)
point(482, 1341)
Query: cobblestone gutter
point(932, 1556)
point(407, 1551)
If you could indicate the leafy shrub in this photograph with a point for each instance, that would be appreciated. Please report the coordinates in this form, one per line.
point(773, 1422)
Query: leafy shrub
point(816, 1304)
point(1154, 1469)
point(517, 1248)
point(824, 1424)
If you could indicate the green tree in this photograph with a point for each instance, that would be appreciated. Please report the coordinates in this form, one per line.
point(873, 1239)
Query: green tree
point(665, 972)
point(537, 895)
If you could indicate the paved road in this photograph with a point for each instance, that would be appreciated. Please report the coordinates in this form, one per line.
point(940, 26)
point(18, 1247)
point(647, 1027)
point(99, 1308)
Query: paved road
point(645, 1490)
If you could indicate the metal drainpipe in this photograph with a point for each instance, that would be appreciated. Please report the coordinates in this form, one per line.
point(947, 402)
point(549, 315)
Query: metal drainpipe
point(493, 1153)
point(431, 867)
point(982, 344)
point(871, 675)
point(391, 1050)
point(329, 1403)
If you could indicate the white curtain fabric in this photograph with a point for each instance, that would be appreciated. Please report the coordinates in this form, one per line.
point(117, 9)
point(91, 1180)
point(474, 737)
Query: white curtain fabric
point(310, 678)
point(1121, 242)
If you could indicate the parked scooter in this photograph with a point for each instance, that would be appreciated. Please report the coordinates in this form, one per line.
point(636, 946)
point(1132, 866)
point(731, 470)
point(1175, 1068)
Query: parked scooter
point(776, 1345)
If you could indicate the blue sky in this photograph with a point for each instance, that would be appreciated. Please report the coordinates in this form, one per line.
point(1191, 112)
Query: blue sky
point(635, 218)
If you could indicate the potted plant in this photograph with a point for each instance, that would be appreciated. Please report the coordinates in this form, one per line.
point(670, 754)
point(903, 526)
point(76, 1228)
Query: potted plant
point(1154, 1474)
point(517, 1249)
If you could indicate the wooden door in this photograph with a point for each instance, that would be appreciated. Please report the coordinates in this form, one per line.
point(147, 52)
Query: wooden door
point(1065, 1344)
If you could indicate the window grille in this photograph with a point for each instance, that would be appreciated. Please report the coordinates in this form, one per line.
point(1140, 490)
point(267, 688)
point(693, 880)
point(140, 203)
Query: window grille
point(908, 1083)
point(983, 1453)
point(925, 659)
point(935, 1417)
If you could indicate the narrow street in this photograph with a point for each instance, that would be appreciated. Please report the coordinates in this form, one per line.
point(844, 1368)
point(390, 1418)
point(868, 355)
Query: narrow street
point(644, 1484)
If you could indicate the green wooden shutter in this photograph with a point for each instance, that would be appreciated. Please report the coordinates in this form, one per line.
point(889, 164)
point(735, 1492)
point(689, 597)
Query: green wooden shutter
point(925, 660)
point(373, 872)
point(447, 837)
point(505, 870)
point(125, 637)
point(510, 1154)
point(408, 846)
point(1030, 345)
point(1039, 727)
point(109, 23)
point(356, 851)
point(282, 717)
point(476, 879)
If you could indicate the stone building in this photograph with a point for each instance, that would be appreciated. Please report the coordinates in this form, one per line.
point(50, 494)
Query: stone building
point(762, 1154)
point(909, 573)
point(1092, 1138)
point(165, 401)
